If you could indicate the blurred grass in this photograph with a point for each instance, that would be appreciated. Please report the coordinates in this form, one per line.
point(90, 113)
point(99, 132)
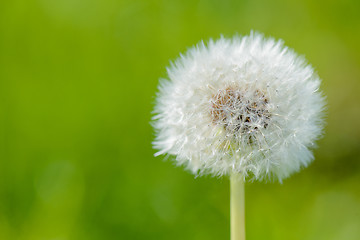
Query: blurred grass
point(77, 85)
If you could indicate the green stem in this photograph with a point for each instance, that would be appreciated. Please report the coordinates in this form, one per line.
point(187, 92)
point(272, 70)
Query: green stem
point(237, 207)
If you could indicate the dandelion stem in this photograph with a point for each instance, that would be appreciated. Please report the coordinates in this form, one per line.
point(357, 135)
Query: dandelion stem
point(237, 207)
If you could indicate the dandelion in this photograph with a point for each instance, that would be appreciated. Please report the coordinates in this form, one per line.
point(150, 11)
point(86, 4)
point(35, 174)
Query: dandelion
point(248, 107)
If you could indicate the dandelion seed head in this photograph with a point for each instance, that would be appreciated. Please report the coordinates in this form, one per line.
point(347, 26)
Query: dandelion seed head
point(248, 105)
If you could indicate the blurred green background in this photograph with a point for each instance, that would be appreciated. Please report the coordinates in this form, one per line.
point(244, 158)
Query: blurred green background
point(77, 87)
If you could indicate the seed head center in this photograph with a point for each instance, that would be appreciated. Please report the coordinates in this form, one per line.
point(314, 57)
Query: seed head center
point(240, 111)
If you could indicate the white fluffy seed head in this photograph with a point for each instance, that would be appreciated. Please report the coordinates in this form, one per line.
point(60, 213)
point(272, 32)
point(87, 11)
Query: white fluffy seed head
point(248, 105)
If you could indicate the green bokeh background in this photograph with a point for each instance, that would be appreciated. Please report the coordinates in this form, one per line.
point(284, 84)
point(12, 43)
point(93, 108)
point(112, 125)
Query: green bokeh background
point(77, 86)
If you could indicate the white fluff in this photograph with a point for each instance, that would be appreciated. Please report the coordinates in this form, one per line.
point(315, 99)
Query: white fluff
point(247, 104)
